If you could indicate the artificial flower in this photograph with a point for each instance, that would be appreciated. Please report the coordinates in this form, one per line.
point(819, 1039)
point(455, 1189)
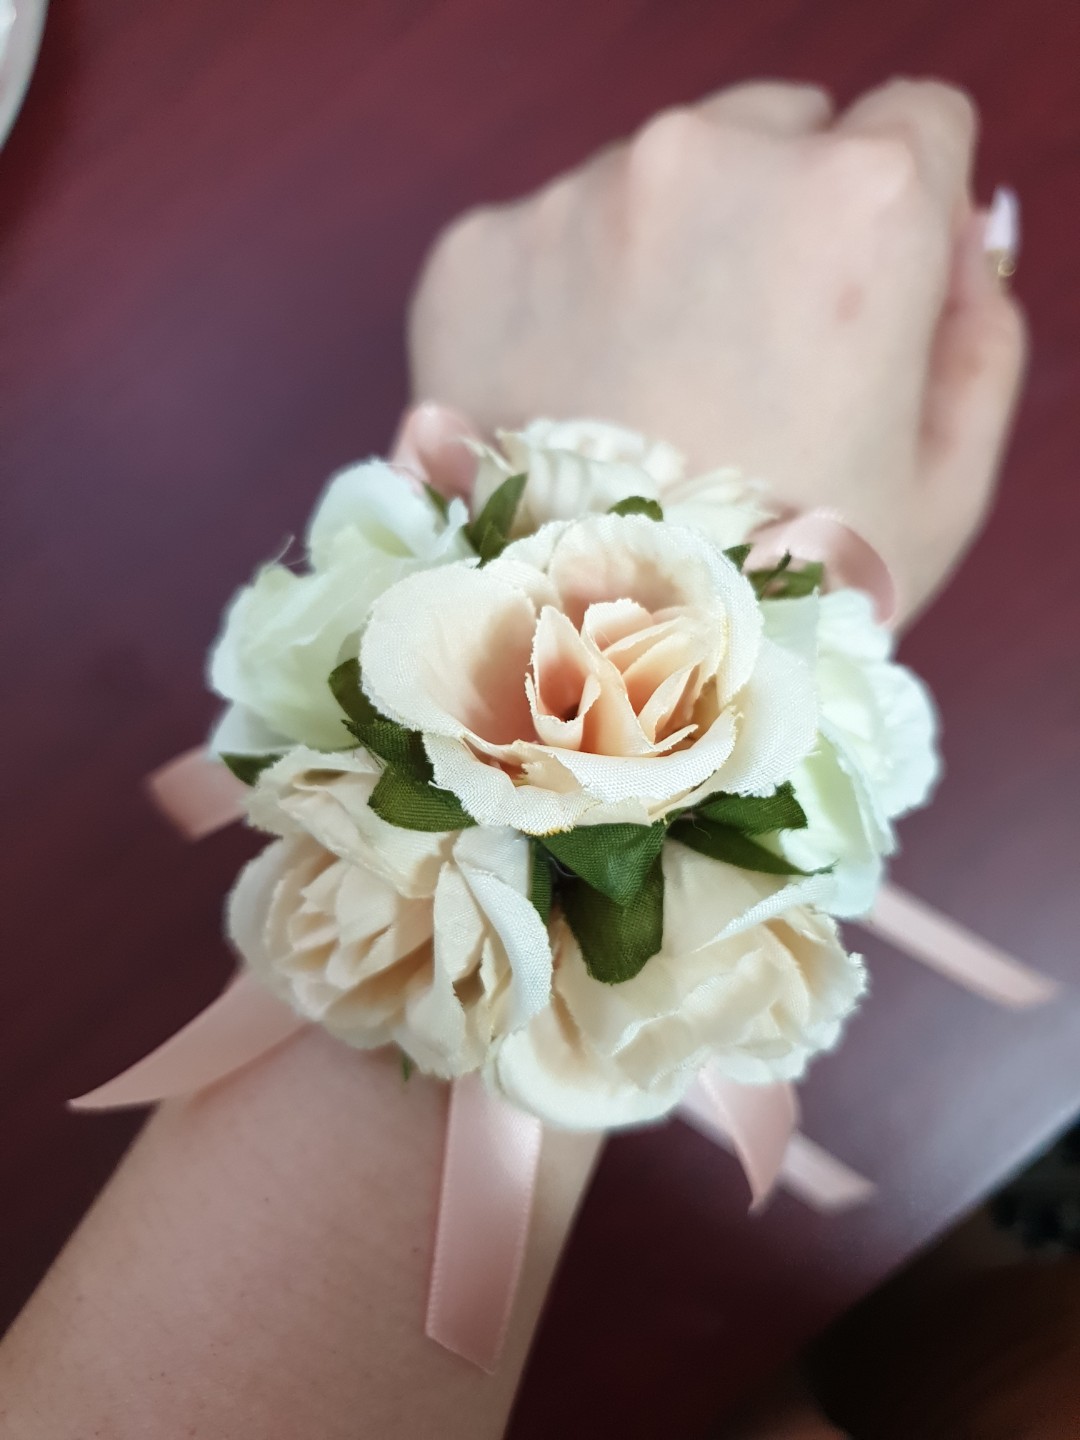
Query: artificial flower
point(875, 757)
point(382, 935)
point(751, 980)
point(575, 467)
point(285, 632)
point(610, 669)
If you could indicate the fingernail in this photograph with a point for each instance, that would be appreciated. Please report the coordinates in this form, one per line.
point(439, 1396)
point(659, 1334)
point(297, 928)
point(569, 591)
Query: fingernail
point(1001, 237)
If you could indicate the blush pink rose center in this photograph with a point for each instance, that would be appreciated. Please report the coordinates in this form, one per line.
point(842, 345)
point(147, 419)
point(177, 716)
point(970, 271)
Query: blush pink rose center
point(603, 669)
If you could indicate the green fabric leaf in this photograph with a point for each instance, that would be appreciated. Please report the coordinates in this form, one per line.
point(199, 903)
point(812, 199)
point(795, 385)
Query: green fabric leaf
point(541, 881)
point(616, 940)
point(738, 555)
point(754, 815)
point(344, 685)
point(613, 859)
point(797, 583)
point(489, 533)
point(407, 1066)
point(438, 499)
point(248, 768)
point(722, 842)
point(638, 505)
point(385, 738)
point(404, 800)
point(783, 583)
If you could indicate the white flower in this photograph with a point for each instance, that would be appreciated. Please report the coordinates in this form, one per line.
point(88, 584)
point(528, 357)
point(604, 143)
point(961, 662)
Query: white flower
point(385, 935)
point(875, 757)
point(580, 466)
point(285, 632)
point(749, 980)
point(610, 669)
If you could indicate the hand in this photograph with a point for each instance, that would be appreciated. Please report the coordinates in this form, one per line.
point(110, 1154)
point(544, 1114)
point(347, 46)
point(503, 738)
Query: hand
point(764, 285)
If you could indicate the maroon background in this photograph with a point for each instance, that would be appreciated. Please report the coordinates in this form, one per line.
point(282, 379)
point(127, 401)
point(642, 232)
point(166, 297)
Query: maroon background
point(210, 215)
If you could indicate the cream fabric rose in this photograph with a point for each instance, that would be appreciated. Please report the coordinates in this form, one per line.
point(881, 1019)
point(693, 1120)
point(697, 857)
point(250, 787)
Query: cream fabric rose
point(609, 669)
point(385, 935)
point(750, 979)
point(575, 467)
point(876, 755)
point(285, 632)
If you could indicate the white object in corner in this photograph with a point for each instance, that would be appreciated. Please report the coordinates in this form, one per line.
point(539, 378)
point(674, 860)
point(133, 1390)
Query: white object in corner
point(21, 24)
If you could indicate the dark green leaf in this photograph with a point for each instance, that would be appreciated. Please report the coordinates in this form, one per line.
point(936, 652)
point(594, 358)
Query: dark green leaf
point(762, 579)
point(797, 583)
point(721, 842)
point(541, 880)
point(401, 799)
point(344, 685)
point(248, 768)
point(407, 1066)
point(386, 738)
point(638, 505)
point(616, 940)
point(489, 533)
point(613, 859)
point(391, 742)
point(738, 555)
point(754, 815)
point(781, 582)
point(438, 499)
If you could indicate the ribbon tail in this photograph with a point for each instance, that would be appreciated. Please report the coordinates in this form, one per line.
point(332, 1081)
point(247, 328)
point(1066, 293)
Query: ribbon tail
point(489, 1179)
point(823, 1181)
point(927, 935)
point(197, 793)
point(757, 1120)
point(242, 1024)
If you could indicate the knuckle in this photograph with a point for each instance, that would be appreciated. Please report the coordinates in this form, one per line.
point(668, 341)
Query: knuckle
point(463, 232)
point(953, 106)
point(875, 172)
point(666, 141)
point(552, 202)
point(453, 253)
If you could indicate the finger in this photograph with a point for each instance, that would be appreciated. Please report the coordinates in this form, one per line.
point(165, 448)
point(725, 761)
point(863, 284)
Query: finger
point(770, 106)
point(937, 122)
point(432, 444)
point(975, 371)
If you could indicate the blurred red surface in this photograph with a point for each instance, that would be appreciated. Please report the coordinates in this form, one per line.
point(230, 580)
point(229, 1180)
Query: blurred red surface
point(210, 216)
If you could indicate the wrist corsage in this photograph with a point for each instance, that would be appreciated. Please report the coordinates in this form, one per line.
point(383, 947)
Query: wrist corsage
point(568, 778)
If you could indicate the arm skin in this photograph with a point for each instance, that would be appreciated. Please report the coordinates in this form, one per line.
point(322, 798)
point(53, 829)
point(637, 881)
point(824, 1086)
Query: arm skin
point(259, 1266)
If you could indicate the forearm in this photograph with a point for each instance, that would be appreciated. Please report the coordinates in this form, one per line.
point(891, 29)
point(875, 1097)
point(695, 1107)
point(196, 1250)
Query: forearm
point(259, 1266)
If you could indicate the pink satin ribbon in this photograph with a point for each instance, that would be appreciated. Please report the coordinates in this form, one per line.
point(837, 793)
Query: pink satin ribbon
point(489, 1179)
point(197, 793)
point(758, 1123)
point(956, 953)
point(244, 1023)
